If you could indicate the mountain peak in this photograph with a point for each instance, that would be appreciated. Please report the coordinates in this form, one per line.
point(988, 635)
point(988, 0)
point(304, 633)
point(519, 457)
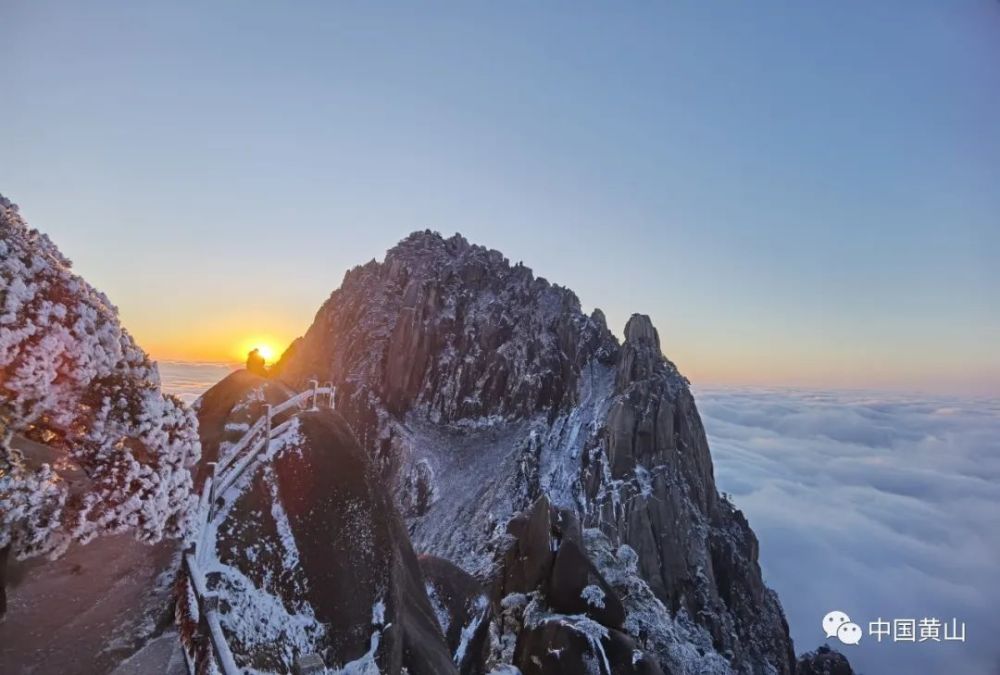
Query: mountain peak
point(640, 330)
point(455, 328)
point(486, 391)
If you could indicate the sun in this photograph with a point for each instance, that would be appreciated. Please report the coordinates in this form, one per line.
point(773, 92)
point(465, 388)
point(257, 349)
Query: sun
point(265, 347)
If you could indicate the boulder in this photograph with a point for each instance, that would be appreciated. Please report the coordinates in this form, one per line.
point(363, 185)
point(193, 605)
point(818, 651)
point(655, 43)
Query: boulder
point(462, 607)
point(576, 587)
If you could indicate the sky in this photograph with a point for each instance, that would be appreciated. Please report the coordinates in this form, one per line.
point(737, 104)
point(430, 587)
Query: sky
point(797, 193)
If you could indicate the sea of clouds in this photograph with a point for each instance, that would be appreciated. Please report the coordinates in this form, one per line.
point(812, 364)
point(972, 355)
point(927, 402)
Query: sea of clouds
point(881, 506)
point(189, 380)
point(877, 505)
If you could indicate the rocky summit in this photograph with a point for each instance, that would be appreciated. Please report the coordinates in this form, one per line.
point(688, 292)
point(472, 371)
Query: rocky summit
point(504, 485)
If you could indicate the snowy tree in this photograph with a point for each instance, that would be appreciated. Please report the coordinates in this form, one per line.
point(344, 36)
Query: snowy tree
point(88, 443)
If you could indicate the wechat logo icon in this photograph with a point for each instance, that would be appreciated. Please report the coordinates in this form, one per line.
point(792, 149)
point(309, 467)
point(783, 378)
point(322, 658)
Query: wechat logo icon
point(837, 624)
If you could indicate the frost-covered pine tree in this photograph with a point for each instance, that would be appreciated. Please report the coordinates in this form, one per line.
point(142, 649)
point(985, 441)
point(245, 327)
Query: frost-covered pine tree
point(88, 443)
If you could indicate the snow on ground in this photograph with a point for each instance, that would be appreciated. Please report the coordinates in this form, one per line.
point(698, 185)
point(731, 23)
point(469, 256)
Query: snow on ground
point(480, 471)
point(469, 629)
point(680, 643)
point(593, 595)
point(440, 610)
point(474, 474)
point(563, 444)
point(366, 664)
point(290, 550)
point(260, 617)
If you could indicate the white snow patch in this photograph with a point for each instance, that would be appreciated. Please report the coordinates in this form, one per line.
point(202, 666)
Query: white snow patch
point(469, 629)
point(440, 611)
point(290, 556)
point(366, 664)
point(593, 595)
point(679, 643)
point(258, 617)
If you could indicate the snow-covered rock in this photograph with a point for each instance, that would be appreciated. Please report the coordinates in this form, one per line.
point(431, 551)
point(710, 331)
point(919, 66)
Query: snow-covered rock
point(480, 388)
point(88, 443)
point(311, 557)
point(823, 661)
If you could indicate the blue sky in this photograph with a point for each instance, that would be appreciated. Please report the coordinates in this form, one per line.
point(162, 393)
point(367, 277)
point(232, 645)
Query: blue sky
point(797, 193)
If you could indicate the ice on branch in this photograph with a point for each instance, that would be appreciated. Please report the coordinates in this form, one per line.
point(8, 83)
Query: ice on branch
point(88, 443)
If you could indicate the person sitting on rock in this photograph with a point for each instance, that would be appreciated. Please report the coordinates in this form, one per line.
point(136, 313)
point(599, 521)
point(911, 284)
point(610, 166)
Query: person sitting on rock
point(255, 363)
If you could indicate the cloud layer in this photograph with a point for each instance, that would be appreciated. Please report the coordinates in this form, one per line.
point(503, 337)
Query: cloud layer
point(880, 506)
point(189, 380)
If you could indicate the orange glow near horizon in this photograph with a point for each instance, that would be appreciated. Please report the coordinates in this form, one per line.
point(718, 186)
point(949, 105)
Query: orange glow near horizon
point(214, 343)
point(216, 327)
point(226, 335)
point(265, 345)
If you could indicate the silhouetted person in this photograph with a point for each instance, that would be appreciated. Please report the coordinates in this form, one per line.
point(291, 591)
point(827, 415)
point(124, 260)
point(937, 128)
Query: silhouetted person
point(255, 363)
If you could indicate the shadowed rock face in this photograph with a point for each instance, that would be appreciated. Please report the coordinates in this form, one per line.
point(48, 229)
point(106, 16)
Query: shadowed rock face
point(695, 550)
point(450, 327)
point(462, 607)
point(480, 388)
point(315, 535)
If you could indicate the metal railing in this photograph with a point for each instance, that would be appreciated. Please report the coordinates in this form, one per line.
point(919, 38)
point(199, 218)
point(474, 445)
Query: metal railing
point(202, 638)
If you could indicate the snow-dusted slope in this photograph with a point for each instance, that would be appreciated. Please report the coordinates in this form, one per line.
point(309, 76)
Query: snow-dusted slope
point(88, 443)
point(480, 388)
point(89, 447)
point(307, 552)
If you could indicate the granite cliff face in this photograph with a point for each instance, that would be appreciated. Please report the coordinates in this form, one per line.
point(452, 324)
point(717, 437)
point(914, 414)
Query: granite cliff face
point(530, 448)
point(453, 329)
